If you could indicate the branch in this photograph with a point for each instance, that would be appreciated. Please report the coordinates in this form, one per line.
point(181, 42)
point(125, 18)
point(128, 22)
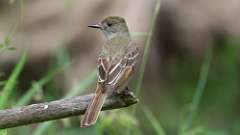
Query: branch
point(60, 109)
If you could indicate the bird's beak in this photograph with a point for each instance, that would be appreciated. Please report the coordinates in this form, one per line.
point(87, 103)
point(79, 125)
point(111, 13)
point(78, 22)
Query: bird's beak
point(98, 26)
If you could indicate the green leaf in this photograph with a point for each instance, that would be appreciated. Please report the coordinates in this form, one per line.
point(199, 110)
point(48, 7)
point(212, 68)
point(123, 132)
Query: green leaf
point(11, 82)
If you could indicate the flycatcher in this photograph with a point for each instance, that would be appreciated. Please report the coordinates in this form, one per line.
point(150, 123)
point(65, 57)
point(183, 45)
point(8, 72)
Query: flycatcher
point(115, 64)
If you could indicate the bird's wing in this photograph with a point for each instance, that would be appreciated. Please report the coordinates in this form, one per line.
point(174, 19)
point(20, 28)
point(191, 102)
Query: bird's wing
point(103, 68)
point(121, 73)
point(113, 73)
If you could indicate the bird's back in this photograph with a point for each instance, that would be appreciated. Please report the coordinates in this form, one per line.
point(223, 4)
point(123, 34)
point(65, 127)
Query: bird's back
point(116, 48)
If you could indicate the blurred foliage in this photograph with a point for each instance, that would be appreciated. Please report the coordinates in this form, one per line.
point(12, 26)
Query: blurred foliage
point(218, 103)
point(153, 121)
point(3, 132)
point(201, 99)
point(6, 45)
point(9, 85)
point(121, 121)
point(11, 82)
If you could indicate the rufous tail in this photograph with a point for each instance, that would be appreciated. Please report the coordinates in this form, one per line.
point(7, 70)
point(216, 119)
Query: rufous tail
point(94, 108)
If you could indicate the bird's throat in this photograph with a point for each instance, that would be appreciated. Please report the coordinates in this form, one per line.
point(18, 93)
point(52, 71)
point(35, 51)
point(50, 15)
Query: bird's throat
point(111, 36)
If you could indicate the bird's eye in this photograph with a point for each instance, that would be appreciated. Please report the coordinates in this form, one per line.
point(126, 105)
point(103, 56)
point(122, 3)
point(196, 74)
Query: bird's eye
point(109, 24)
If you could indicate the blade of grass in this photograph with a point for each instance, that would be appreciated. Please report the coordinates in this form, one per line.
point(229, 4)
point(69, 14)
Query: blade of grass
point(39, 84)
point(199, 89)
point(19, 20)
point(83, 85)
point(153, 121)
point(145, 55)
point(79, 88)
point(62, 56)
point(11, 82)
point(42, 128)
point(147, 48)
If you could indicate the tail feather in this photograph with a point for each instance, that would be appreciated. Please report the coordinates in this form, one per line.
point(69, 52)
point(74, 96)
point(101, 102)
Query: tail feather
point(94, 109)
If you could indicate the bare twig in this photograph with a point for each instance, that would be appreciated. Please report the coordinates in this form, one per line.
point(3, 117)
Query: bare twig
point(59, 109)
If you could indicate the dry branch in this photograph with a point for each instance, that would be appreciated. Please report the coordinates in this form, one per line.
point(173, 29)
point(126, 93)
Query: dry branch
point(59, 109)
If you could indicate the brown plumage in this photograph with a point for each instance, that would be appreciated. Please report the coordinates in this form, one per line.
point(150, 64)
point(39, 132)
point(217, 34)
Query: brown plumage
point(115, 64)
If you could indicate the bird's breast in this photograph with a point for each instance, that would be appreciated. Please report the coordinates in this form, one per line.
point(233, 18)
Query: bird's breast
point(116, 48)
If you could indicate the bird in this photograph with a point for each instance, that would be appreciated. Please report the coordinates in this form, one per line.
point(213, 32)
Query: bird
point(115, 64)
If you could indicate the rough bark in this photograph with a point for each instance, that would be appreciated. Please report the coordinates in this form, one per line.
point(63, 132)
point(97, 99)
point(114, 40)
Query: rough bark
point(60, 109)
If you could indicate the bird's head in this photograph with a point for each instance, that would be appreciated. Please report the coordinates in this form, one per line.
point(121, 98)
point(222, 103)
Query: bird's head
point(112, 27)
